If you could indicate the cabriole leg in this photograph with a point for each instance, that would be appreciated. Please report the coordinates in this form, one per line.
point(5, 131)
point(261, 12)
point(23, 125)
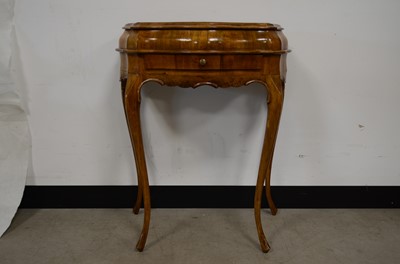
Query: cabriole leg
point(274, 132)
point(275, 102)
point(139, 196)
point(132, 111)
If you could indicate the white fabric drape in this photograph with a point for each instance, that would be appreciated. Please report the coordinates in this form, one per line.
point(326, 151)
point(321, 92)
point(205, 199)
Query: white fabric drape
point(14, 131)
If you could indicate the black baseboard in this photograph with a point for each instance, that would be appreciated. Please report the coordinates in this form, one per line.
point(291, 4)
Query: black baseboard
point(211, 196)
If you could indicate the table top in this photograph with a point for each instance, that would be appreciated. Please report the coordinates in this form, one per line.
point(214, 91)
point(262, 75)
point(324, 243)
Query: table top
point(201, 25)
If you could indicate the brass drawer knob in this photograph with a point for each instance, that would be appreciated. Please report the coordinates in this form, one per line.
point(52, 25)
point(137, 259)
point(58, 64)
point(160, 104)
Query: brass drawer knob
point(202, 62)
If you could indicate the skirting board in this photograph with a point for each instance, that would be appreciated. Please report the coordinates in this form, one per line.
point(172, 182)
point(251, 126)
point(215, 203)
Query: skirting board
point(211, 196)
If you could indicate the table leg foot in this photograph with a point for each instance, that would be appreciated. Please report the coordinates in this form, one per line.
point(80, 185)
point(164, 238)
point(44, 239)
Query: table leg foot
point(274, 210)
point(257, 213)
point(264, 245)
point(141, 243)
point(271, 203)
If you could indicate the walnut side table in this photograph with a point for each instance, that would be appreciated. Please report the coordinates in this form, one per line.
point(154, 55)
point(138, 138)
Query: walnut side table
point(191, 54)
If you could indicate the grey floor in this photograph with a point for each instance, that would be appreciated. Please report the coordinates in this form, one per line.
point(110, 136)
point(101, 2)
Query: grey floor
point(203, 236)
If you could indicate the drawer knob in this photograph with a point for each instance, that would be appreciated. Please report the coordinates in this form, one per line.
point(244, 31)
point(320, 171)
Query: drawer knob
point(202, 62)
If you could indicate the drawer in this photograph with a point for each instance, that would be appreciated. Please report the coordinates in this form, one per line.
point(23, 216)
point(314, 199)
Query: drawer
point(182, 62)
point(202, 62)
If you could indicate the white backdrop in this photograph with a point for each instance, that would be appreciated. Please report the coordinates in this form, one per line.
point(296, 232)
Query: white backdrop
point(340, 124)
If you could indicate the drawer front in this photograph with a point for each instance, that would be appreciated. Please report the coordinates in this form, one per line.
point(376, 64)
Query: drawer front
point(159, 62)
point(242, 62)
point(202, 62)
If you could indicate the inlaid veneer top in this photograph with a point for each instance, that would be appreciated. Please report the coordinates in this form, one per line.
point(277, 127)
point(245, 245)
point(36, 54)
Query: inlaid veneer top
point(201, 25)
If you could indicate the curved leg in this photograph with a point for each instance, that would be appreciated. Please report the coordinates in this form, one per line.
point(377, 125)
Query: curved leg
point(139, 196)
point(274, 132)
point(132, 110)
point(275, 101)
